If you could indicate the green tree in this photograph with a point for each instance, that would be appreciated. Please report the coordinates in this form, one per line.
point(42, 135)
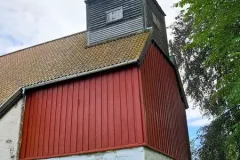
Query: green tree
point(217, 142)
point(216, 27)
point(207, 45)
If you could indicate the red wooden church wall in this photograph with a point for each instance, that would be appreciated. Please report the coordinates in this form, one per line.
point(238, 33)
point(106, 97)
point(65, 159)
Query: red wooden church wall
point(127, 108)
point(98, 113)
point(164, 109)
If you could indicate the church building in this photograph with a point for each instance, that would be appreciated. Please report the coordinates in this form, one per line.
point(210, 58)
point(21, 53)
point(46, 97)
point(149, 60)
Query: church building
point(111, 92)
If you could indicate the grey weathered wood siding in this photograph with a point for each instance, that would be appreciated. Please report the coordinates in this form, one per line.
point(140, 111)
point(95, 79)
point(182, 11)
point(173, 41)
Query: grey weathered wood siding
point(137, 15)
point(99, 30)
point(118, 30)
point(159, 35)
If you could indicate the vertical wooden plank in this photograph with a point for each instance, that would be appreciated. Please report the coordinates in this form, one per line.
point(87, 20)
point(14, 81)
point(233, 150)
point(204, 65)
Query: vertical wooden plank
point(104, 93)
point(99, 113)
point(47, 122)
point(53, 120)
point(124, 109)
point(154, 99)
point(68, 129)
point(86, 116)
point(58, 120)
point(145, 94)
point(26, 122)
point(137, 107)
point(117, 110)
point(111, 117)
point(37, 124)
point(42, 126)
point(34, 120)
point(145, 138)
point(63, 120)
point(131, 114)
point(80, 116)
point(30, 130)
point(159, 83)
point(161, 103)
point(92, 115)
point(74, 118)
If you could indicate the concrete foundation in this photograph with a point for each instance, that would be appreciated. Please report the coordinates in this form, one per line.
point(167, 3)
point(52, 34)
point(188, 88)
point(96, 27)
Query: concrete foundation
point(139, 153)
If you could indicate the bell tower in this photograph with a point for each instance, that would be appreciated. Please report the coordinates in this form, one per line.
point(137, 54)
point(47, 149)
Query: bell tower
point(112, 19)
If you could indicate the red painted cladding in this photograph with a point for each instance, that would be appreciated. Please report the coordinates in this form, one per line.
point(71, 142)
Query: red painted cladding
point(126, 108)
point(164, 109)
point(98, 113)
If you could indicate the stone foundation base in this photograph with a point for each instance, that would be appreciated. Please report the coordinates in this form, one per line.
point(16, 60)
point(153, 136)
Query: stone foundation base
point(139, 153)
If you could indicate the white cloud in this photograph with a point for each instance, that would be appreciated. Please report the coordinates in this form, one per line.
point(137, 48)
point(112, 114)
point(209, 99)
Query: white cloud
point(31, 22)
point(195, 117)
point(16, 48)
point(199, 122)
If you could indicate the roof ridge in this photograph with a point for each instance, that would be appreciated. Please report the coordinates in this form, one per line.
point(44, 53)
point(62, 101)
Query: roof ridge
point(43, 43)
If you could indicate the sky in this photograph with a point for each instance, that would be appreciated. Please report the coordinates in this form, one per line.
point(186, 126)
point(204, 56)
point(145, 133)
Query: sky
point(25, 23)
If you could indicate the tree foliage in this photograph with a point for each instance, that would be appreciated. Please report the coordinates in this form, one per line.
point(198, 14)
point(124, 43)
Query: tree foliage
point(207, 48)
point(198, 78)
point(217, 139)
point(216, 27)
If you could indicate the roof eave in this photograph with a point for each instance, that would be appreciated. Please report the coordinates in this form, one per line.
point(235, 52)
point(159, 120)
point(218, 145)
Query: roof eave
point(9, 103)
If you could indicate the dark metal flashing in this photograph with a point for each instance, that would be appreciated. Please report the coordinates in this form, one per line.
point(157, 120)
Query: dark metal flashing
point(7, 105)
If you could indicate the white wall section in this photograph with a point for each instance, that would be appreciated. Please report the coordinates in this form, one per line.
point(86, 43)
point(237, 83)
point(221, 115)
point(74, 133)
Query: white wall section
point(153, 155)
point(9, 132)
point(139, 153)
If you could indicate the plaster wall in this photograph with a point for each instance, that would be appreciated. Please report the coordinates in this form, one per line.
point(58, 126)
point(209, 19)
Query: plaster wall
point(9, 132)
point(153, 155)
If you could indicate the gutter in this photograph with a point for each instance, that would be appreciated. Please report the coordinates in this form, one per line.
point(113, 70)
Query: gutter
point(135, 61)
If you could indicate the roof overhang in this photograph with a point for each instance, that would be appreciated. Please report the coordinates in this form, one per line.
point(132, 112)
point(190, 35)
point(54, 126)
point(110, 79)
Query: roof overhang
point(9, 103)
